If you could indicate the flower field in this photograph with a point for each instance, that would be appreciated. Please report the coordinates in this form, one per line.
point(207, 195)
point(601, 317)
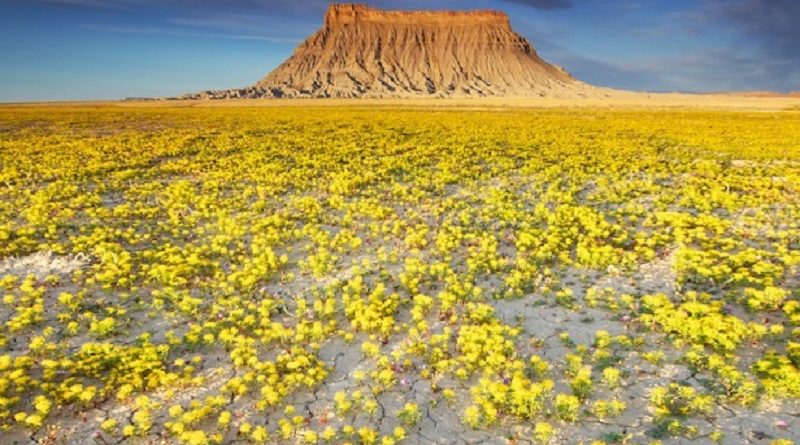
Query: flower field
point(372, 276)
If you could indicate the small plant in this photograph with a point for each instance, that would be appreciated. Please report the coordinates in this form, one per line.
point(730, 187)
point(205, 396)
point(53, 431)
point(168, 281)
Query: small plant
point(605, 409)
point(370, 349)
point(581, 384)
point(367, 435)
point(567, 407)
point(543, 433)
point(565, 297)
point(259, 435)
point(656, 358)
point(109, 425)
point(472, 416)
point(673, 402)
point(539, 366)
point(770, 298)
point(104, 327)
point(612, 377)
point(410, 414)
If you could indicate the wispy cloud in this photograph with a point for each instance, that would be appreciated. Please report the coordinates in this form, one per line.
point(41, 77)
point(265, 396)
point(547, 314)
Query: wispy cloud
point(164, 31)
point(229, 5)
point(773, 23)
point(228, 19)
point(723, 44)
point(82, 3)
point(93, 4)
point(243, 23)
point(766, 41)
point(220, 20)
point(549, 5)
point(701, 70)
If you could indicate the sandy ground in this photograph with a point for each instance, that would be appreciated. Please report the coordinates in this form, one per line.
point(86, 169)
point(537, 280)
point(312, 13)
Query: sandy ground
point(601, 98)
point(539, 317)
point(441, 422)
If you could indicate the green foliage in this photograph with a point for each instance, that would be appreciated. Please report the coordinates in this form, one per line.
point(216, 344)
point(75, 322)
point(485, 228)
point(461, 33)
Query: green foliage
point(697, 323)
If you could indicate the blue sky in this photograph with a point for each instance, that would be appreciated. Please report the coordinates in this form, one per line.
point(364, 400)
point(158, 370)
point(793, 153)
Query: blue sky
point(110, 49)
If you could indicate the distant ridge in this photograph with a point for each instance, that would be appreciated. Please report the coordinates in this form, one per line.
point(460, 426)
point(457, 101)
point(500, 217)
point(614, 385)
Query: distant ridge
point(793, 94)
point(366, 52)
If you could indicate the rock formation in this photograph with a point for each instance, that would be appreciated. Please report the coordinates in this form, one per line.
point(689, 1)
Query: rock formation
point(366, 52)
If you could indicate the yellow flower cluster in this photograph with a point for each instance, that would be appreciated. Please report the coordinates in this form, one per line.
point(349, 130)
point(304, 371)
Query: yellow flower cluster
point(199, 273)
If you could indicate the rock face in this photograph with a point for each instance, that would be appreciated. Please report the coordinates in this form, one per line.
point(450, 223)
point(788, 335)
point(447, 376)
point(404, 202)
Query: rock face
point(366, 52)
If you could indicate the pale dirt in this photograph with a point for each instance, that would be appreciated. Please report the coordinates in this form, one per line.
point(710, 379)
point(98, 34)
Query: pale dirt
point(42, 264)
point(601, 99)
point(541, 319)
point(441, 422)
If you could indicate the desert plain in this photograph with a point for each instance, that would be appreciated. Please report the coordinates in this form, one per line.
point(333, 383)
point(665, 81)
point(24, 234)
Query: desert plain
point(419, 271)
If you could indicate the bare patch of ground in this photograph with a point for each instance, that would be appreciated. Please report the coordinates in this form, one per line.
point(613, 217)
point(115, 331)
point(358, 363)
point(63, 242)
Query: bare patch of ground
point(42, 264)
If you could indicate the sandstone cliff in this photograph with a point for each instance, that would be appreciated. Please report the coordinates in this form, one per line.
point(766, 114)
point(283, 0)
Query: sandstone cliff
point(366, 52)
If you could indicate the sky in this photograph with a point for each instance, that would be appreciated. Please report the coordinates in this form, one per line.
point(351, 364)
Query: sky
point(112, 49)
